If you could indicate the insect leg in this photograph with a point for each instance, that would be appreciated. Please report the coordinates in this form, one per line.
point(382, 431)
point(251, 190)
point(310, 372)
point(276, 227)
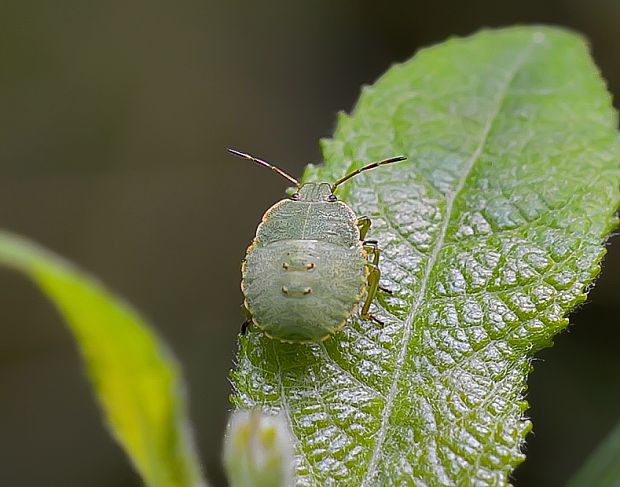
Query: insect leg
point(373, 285)
point(248, 319)
point(386, 290)
point(372, 248)
point(374, 276)
point(363, 223)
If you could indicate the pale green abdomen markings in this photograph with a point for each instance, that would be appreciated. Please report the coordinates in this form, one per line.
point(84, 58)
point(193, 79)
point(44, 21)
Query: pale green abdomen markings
point(303, 290)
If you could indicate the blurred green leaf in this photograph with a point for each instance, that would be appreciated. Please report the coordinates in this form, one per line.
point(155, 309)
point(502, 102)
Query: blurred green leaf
point(602, 468)
point(492, 231)
point(136, 379)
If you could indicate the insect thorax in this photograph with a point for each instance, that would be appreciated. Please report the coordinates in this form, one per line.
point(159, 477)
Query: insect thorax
point(332, 222)
point(314, 192)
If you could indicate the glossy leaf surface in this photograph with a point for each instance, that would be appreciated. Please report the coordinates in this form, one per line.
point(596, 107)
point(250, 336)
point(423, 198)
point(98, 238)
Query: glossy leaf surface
point(491, 231)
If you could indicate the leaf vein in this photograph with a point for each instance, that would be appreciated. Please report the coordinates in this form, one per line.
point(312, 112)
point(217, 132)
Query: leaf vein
point(287, 412)
point(408, 324)
point(328, 358)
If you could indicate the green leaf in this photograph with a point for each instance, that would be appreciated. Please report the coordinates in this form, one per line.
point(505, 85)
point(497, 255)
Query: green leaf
point(602, 468)
point(491, 232)
point(136, 379)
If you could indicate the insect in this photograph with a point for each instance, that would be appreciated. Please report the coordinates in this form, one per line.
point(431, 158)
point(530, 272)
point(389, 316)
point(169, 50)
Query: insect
point(309, 265)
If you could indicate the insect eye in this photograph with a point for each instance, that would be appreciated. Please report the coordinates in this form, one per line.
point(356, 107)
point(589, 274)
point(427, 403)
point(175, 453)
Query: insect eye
point(332, 198)
point(295, 196)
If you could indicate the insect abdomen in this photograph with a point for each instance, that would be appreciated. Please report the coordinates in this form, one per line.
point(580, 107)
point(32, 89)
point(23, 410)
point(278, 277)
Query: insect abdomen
point(303, 290)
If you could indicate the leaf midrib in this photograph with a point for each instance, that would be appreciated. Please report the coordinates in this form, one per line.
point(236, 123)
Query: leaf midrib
point(421, 295)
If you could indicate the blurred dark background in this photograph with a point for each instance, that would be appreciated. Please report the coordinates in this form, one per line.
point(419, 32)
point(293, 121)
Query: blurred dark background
point(113, 123)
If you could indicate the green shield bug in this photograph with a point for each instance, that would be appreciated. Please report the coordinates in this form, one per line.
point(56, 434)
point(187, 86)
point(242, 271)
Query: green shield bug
point(309, 265)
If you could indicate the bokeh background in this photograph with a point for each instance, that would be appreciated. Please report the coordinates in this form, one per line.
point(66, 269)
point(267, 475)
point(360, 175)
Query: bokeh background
point(113, 123)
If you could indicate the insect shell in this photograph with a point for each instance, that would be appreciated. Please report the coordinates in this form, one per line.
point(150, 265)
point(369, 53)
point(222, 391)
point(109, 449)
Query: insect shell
point(308, 267)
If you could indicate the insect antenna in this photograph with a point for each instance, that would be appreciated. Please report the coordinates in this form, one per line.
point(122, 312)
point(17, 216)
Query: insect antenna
point(265, 164)
point(366, 168)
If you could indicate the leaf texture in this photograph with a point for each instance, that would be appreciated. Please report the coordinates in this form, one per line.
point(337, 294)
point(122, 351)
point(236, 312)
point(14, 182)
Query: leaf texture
point(491, 232)
point(135, 378)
